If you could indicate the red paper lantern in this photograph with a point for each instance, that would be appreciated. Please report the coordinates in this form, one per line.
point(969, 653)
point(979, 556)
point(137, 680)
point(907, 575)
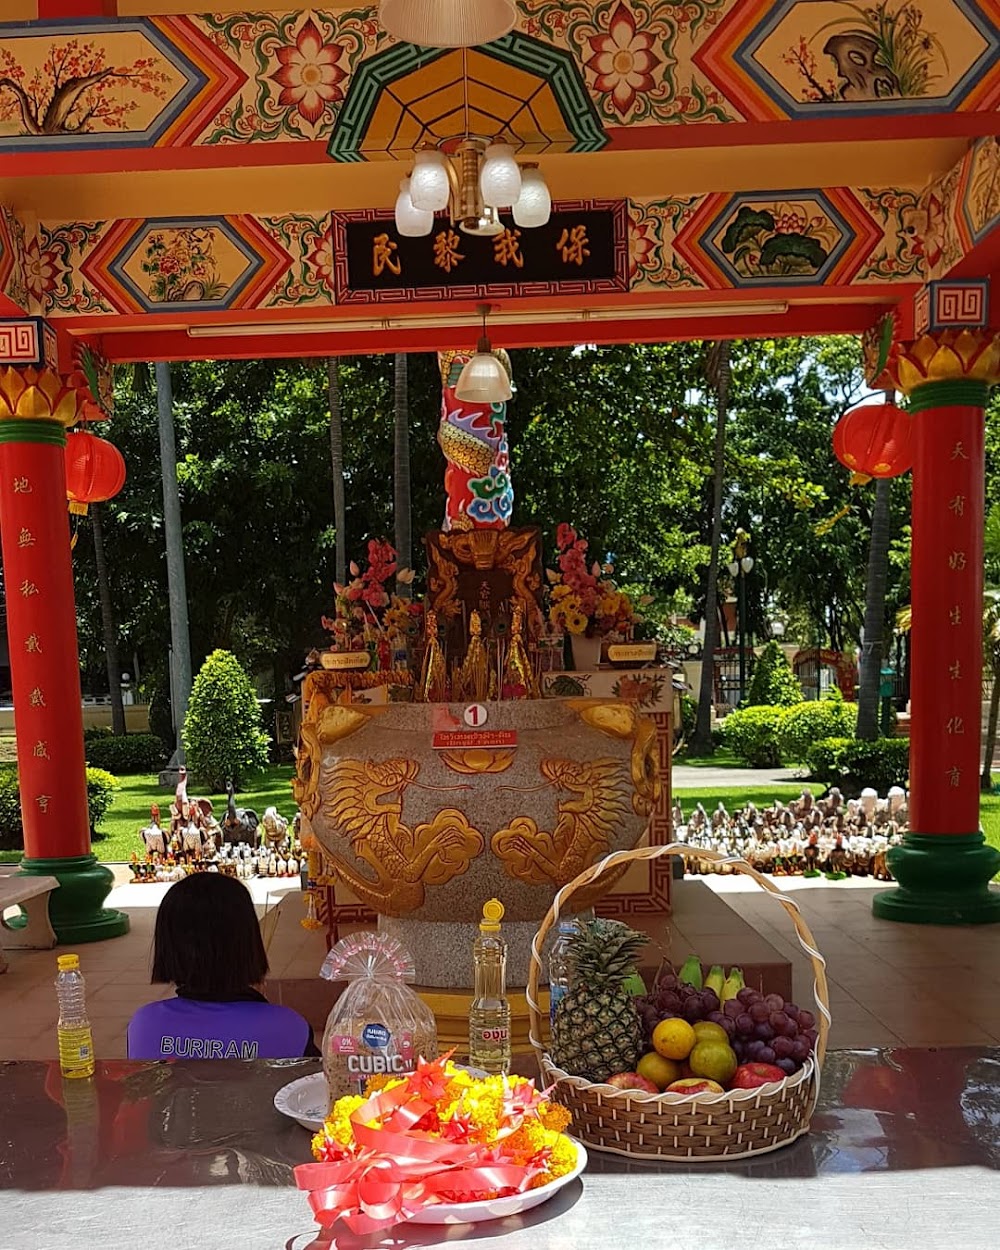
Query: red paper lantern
point(95, 469)
point(875, 440)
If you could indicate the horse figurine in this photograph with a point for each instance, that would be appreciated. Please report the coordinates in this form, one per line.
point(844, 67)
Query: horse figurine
point(152, 835)
point(274, 828)
point(239, 823)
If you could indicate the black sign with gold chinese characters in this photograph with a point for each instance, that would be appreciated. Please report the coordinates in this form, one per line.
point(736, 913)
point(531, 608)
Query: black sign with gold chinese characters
point(582, 250)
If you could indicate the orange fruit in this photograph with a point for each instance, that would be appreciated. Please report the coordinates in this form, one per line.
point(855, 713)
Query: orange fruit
point(674, 1038)
point(714, 1060)
point(662, 1072)
point(706, 1031)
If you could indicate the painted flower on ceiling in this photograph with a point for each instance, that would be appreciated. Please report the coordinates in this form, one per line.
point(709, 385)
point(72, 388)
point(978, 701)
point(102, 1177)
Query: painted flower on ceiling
point(623, 60)
point(310, 75)
point(641, 249)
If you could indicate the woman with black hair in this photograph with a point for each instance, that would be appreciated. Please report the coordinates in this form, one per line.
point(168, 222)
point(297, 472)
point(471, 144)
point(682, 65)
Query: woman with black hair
point(207, 943)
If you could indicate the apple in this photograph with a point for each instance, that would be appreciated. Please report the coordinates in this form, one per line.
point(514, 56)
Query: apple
point(695, 1085)
point(632, 1080)
point(753, 1075)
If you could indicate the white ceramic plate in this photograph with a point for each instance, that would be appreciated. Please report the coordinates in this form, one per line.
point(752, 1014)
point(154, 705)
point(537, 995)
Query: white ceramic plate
point(499, 1208)
point(307, 1101)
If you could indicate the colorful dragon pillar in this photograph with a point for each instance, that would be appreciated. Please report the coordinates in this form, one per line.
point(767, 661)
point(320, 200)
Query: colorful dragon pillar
point(474, 441)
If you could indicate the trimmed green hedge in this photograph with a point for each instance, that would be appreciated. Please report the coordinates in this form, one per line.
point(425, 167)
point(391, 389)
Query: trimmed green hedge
point(101, 787)
point(753, 734)
point(130, 753)
point(810, 722)
point(223, 737)
point(852, 765)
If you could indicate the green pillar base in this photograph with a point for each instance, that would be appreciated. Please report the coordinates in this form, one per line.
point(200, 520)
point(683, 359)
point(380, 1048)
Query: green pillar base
point(75, 909)
point(943, 879)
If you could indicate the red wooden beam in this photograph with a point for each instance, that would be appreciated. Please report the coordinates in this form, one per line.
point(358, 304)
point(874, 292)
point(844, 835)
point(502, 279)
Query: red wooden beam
point(175, 344)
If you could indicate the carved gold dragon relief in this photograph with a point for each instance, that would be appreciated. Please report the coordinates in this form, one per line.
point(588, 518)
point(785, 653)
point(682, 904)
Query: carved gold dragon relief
point(364, 802)
point(621, 720)
point(585, 822)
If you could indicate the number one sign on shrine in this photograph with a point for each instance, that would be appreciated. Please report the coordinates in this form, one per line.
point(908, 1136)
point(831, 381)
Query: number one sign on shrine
point(943, 866)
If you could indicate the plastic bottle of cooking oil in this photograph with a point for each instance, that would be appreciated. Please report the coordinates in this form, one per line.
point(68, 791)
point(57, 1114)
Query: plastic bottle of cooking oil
point(489, 1015)
point(76, 1042)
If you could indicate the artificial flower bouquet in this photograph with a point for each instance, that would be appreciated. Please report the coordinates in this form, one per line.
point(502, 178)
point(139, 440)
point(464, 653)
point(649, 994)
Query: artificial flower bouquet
point(583, 600)
point(438, 1135)
point(367, 616)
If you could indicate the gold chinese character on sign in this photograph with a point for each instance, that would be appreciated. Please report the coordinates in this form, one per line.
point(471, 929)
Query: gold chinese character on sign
point(37, 698)
point(446, 253)
point(41, 750)
point(384, 255)
point(507, 248)
point(22, 486)
point(957, 560)
point(28, 589)
point(25, 538)
point(954, 776)
point(43, 801)
point(955, 725)
point(32, 645)
point(955, 615)
point(955, 670)
point(572, 245)
point(958, 452)
point(957, 505)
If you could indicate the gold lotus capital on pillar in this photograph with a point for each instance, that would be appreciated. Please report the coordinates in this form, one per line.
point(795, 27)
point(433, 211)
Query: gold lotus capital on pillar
point(31, 394)
point(942, 356)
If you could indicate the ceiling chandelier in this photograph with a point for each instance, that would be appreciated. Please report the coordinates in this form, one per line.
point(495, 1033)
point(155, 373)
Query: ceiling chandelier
point(474, 182)
point(447, 23)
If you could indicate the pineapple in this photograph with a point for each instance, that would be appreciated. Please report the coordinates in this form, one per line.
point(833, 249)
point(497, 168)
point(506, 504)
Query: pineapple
point(596, 1031)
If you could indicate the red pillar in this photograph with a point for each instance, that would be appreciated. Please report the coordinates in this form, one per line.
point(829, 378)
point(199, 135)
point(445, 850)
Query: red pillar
point(944, 866)
point(35, 408)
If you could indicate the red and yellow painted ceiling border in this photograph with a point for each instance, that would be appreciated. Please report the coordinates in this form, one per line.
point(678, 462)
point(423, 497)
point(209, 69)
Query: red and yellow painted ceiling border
point(849, 239)
point(628, 68)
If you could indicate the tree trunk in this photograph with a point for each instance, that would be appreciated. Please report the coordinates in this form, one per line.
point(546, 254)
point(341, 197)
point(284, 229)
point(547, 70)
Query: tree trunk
point(874, 628)
point(108, 624)
point(337, 465)
point(989, 746)
point(173, 534)
point(401, 471)
point(717, 371)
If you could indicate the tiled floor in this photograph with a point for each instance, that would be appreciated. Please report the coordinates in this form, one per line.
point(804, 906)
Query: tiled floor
point(890, 984)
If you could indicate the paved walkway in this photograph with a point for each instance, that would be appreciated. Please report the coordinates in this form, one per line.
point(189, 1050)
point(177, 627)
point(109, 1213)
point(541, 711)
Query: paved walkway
point(684, 777)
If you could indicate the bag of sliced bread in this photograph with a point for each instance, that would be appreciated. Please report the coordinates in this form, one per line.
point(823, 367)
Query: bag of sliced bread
point(378, 1026)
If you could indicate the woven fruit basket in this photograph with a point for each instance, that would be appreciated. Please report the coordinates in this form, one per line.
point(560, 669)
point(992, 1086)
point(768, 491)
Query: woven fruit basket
point(732, 1125)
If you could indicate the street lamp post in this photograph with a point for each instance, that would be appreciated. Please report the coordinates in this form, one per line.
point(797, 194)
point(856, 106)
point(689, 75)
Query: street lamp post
point(738, 569)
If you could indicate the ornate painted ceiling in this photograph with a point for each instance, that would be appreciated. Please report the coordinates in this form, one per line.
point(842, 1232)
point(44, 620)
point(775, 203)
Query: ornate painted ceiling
point(804, 162)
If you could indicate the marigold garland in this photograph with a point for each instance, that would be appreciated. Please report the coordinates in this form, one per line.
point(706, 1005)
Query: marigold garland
point(438, 1135)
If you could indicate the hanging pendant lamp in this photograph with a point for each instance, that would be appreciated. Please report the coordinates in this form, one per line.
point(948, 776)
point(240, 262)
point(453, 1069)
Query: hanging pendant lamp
point(447, 23)
point(484, 380)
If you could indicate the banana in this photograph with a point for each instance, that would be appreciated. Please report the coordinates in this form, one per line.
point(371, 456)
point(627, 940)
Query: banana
point(734, 983)
point(715, 980)
point(690, 974)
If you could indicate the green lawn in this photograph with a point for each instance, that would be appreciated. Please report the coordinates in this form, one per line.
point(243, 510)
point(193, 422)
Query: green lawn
point(722, 757)
point(130, 810)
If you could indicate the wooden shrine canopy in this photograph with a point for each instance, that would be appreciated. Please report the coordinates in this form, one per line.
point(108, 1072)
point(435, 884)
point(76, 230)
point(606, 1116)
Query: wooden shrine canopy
point(182, 180)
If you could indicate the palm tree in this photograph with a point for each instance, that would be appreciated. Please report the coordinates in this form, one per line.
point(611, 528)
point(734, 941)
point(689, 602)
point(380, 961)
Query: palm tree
point(401, 470)
point(109, 625)
point(718, 374)
point(874, 627)
point(337, 466)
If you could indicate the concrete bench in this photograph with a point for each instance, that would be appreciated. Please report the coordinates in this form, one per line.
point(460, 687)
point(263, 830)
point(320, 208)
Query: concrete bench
point(31, 894)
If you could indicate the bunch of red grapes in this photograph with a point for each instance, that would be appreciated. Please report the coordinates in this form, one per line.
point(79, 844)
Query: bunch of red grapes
point(762, 1028)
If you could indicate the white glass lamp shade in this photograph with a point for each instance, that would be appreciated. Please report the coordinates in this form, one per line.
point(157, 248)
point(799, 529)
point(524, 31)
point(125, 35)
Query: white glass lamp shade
point(500, 179)
point(534, 205)
point(484, 380)
point(412, 223)
point(429, 185)
point(447, 23)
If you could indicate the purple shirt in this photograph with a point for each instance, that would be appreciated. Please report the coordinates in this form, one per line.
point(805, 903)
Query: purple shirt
point(184, 1028)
